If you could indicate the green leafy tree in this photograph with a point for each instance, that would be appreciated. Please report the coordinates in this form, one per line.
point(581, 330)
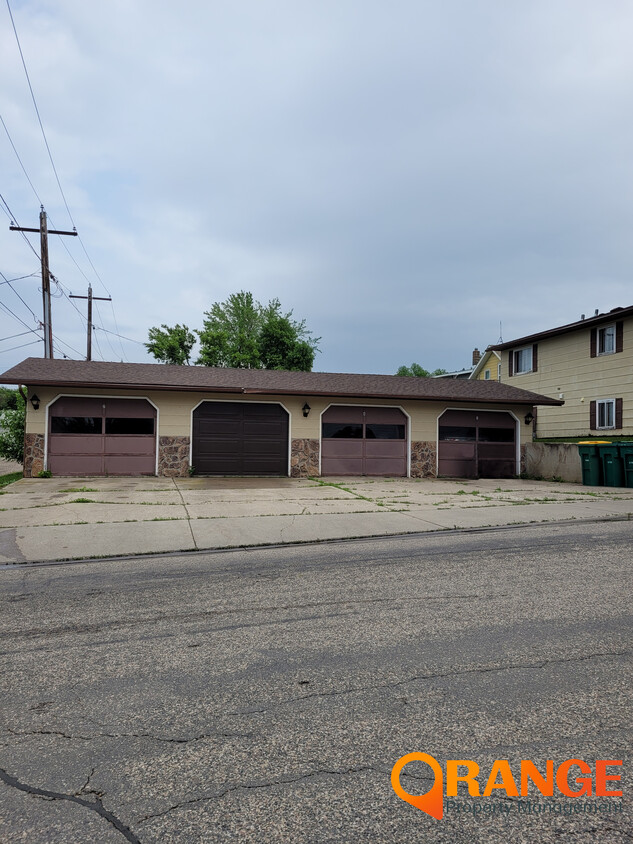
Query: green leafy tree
point(419, 371)
point(12, 423)
point(8, 398)
point(171, 345)
point(244, 334)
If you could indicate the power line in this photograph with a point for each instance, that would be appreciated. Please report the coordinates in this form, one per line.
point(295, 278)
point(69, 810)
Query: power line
point(20, 160)
point(13, 348)
point(140, 342)
point(18, 278)
point(13, 336)
point(15, 316)
point(59, 184)
point(37, 111)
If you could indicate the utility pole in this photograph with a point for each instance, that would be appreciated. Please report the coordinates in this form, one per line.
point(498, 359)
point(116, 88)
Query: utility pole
point(90, 297)
point(46, 277)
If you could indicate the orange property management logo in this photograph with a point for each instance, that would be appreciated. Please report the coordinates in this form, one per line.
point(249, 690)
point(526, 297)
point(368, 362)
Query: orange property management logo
point(589, 782)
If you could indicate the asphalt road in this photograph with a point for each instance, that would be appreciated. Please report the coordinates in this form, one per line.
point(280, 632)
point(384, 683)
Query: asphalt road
point(265, 695)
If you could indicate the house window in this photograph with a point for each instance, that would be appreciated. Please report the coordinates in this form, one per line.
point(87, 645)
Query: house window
point(487, 375)
point(605, 414)
point(523, 360)
point(606, 340)
point(498, 372)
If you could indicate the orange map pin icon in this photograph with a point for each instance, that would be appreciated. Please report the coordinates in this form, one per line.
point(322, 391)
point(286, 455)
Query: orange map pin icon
point(431, 802)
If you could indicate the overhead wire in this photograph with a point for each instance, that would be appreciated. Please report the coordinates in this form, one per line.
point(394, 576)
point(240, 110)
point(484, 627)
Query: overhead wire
point(13, 348)
point(59, 184)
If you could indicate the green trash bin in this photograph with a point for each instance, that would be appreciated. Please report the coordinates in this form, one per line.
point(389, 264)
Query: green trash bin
point(626, 453)
point(590, 463)
point(612, 466)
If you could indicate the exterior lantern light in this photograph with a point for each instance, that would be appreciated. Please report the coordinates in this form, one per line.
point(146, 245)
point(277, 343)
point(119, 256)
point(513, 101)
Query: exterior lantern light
point(306, 409)
point(35, 402)
point(529, 418)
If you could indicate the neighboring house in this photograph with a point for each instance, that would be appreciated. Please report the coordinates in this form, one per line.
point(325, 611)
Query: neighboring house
point(587, 364)
point(462, 373)
point(488, 367)
point(95, 418)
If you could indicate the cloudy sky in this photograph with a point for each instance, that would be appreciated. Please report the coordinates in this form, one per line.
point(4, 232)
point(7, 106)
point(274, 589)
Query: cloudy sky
point(405, 176)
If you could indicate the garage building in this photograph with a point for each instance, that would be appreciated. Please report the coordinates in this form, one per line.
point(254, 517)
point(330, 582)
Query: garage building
point(100, 418)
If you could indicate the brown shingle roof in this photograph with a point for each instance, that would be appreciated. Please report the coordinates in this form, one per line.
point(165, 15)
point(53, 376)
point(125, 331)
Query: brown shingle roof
point(94, 374)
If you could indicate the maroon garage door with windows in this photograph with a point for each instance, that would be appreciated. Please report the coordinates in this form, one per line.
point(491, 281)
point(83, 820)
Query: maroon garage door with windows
point(92, 436)
point(364, 441)
point(240, 438)
point(477, 444)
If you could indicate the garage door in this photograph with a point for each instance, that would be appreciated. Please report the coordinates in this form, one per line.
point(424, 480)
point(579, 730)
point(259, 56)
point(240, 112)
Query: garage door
point(477, 444)
point(364, 441)
point(240, 438)
point(89, 436)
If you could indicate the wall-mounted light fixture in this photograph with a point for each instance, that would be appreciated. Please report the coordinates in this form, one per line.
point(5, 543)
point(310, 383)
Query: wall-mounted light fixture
point(306, 409)
point(35, 402)
point(529, 418)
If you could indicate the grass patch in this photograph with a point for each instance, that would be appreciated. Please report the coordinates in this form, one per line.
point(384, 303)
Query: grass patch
point(79, 489)
point(5, 480)
point(82, 501)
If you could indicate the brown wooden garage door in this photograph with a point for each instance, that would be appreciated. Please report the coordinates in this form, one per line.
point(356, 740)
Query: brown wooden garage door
point(240, 438)
point(364, 441)
point(477, 444)
point(93, 436)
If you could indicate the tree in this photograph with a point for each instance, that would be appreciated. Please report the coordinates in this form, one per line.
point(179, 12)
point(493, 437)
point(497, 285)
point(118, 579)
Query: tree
point(416, 370)
point(171, 345)
point(8, 399)
point(244, 334)
point(12, 423)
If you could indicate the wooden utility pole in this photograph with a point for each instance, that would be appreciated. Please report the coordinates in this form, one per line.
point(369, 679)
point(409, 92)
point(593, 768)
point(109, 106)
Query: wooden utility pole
point(90, 297)
point(47, 321)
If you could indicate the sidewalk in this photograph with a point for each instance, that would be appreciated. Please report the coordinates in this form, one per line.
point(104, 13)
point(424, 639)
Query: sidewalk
point(77, 518)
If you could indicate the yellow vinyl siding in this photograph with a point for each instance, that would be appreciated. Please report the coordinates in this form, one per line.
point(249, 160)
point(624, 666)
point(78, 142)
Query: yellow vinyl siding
point(566, 366)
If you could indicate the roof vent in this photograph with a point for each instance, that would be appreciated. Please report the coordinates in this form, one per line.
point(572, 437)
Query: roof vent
point(596, 312)
point(582, 316)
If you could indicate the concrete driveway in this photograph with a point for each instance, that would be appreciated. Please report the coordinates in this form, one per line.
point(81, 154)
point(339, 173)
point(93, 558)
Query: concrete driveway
point(77, 518)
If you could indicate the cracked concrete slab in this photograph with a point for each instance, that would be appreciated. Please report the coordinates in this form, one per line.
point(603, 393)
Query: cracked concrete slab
point(195, 513)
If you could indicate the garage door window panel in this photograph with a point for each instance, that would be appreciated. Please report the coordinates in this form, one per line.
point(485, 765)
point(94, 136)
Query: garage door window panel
point(75, 425)
point(338, 431)
point(375, 431)
point(129, 426)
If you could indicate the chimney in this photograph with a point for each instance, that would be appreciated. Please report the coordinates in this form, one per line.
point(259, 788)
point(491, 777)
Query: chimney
point(476, 356)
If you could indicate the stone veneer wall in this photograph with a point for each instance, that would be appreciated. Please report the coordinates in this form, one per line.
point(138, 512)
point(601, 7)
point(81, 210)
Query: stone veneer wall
point(33, 455)
point(173, 457)
point(523, 461)
point(423, 459)
point(304, 458)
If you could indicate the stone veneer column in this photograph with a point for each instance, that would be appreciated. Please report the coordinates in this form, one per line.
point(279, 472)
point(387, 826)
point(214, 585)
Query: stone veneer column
point(304, 458)
point(522, 462)
point(173, 457)
point(423, 459)
point(33, 455)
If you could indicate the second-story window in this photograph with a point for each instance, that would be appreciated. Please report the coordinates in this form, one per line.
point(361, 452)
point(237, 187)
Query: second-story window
point(606, 340)
point(523, 360)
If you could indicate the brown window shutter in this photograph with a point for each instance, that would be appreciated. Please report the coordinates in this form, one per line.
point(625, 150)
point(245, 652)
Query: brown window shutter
point(593, 343)
point(592, 416)
point(510, 363)
point(618, 413)
point(619, 336)
point(535, 357)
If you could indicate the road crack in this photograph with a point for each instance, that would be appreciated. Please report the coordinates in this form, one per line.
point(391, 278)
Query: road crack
point(218, 795)
point(94, 806)
point(188, 515)
point(433, 676)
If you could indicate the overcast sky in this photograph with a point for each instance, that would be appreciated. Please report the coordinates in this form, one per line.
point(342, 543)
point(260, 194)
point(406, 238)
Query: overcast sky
point(405, 176)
